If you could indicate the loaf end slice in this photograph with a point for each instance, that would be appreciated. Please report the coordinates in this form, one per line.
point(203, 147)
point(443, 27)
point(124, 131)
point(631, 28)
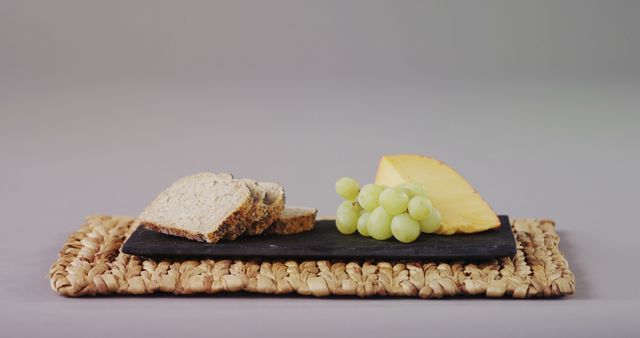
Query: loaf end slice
point(203, 207)
point(273, 202)
point(294, 220)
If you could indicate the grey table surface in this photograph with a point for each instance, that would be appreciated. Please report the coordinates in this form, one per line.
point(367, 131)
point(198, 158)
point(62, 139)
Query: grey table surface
point(104, 104)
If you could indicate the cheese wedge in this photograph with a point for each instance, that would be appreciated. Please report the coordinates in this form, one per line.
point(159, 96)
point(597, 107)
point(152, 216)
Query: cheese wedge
point(463, 210)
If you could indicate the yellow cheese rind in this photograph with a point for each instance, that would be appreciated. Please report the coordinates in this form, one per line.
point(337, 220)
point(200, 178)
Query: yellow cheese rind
point(463, 210)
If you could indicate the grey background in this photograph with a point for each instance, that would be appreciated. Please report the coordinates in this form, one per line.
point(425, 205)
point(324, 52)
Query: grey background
point(102, 104)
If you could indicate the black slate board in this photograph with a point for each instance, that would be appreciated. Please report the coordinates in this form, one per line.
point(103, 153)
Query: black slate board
point(325, 242)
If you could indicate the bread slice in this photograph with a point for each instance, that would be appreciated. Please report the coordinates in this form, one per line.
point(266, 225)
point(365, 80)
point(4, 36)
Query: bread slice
point(273, 202)
point(204, 207)
point(294, 220)
point(257, 211)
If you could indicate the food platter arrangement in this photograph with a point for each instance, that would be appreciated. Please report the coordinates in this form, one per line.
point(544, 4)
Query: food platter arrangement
point(418, 212)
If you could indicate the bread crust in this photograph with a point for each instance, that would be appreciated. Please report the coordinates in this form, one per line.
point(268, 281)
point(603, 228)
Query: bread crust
point(235, 224)
point(169, 230)
point(256, 210)
point(273, 212)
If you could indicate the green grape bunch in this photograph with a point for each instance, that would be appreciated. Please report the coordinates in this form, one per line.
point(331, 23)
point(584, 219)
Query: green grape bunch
point(379, 212)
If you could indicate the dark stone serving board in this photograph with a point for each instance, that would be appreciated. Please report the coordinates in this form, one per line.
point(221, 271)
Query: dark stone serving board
point(325, 242)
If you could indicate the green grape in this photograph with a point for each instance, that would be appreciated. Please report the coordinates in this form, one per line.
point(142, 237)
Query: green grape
point(406, 191)
point(350, 205)
point(415, 188)
point(432, 222)
point(347, 217)
point(394, 201)
point(419, 208)
point(379, 224)
point(369, 196)
point(362, 224)
point(348, 188)
point(404, 228)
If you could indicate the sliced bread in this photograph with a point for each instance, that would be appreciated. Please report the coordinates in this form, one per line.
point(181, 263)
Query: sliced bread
point(273, 202)
point(204, 207)
point(257, 211)
point(294, 220)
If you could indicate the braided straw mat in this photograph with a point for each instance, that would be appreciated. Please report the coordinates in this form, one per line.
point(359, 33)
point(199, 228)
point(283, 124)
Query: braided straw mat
point(90, 263)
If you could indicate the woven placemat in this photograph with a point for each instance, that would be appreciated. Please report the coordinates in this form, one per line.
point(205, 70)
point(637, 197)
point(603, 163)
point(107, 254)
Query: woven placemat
point(90, 263)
